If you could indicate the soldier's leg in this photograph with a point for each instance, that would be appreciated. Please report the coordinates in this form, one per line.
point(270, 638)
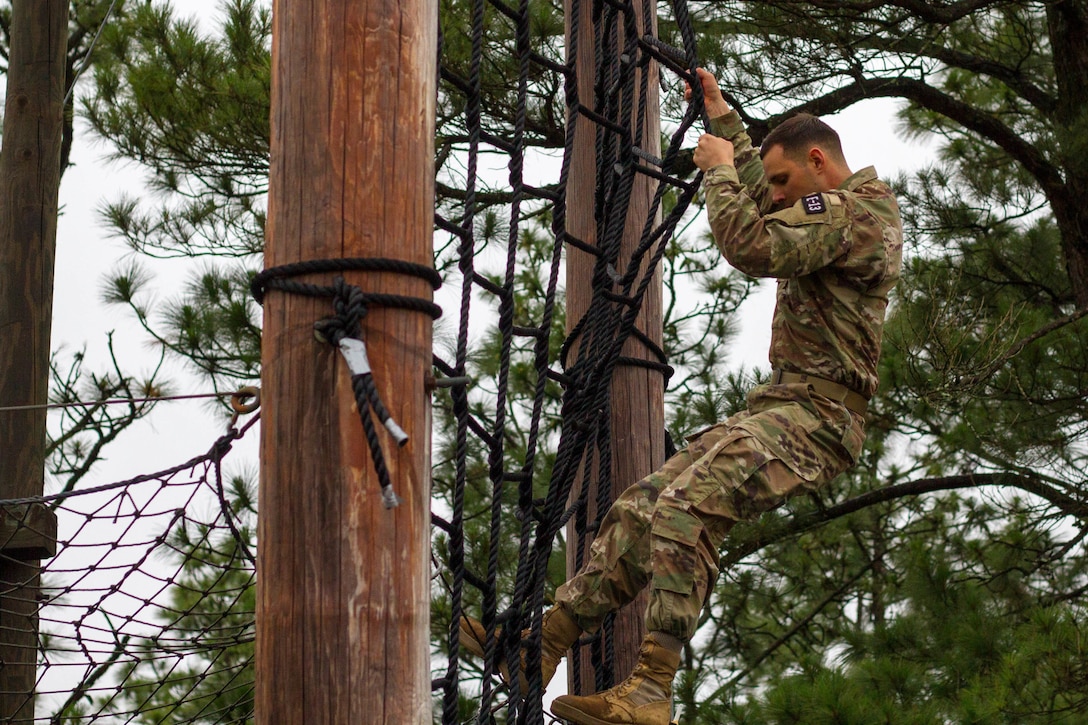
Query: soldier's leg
point(737, 480)
point(618, 567)
point(617, 570)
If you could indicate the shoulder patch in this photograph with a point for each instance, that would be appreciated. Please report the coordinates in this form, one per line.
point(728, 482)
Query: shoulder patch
point(814, 204)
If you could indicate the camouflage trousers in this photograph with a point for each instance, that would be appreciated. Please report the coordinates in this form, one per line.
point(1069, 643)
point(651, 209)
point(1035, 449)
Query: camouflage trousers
point(665, 530)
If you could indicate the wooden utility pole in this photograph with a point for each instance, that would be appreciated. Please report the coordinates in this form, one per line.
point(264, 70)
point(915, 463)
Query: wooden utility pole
point(29, 187)
point(638, 416)
point(343, 587)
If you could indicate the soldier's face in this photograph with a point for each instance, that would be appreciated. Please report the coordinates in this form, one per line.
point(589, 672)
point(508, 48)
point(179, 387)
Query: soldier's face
point(790, 179)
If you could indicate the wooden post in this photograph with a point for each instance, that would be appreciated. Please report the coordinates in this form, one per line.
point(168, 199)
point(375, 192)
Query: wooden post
point(638, 417)
point(343, 588)
point(29, 186)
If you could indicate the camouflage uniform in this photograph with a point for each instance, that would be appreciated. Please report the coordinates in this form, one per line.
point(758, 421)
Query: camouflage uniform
point(836, 255)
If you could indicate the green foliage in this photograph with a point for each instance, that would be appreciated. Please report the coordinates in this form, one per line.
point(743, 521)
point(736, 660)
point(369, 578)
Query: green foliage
point(87, 422)
point(214, 326)
point(968, 639)
point(500, 72)
point(194, 112)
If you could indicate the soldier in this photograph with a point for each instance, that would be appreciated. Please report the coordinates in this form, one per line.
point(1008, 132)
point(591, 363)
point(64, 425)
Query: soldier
point(833, 239)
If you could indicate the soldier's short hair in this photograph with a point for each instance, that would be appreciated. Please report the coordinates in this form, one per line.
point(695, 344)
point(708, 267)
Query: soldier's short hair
point(797, 134)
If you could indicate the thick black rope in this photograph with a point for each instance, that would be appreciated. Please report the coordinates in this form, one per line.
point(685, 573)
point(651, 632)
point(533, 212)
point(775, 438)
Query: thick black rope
point(466, 235)
point(279, 277)
point(343, 331)
point(622, 49)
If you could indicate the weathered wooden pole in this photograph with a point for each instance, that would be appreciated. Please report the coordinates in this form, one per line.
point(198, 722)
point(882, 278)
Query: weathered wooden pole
point(343, 588)
point(638, 418)
point(29, 186)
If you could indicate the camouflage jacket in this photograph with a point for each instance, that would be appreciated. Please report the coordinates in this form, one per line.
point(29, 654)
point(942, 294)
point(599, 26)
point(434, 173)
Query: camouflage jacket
point(836, 255)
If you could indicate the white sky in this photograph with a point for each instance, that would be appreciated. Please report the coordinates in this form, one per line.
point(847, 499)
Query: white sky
point(175, 431)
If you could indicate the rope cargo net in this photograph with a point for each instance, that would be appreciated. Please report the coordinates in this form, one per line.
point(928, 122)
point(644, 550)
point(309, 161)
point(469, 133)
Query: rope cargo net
point(146, 611)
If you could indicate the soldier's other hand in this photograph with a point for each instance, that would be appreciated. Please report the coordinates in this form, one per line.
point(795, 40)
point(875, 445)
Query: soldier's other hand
point(713, 100)
point(713, 151)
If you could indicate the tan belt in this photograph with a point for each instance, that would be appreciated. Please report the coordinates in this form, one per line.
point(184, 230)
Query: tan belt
point(839, 393)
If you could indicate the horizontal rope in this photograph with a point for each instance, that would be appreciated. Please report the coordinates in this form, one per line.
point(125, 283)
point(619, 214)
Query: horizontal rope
point(264, 279)
point(113, 401)
point(218, 450)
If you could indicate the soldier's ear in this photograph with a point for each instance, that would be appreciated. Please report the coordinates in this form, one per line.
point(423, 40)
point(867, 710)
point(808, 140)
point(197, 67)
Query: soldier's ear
point(817, 158)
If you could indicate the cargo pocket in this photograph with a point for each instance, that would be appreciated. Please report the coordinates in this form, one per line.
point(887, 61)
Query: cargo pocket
point(788, 438)
point(853, 440)
point(674, 534)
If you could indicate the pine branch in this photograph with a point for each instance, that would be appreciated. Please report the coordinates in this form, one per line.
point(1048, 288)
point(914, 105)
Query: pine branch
point(789, 633)
point(1067, 505)
point(970, 117)
point(921, 9)
point(1018, 347)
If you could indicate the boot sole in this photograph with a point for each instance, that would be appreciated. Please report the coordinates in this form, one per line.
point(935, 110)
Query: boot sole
point(576, 717)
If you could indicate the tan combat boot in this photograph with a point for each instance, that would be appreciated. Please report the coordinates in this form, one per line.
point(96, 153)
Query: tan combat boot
point(558, 632)
point(644, 698)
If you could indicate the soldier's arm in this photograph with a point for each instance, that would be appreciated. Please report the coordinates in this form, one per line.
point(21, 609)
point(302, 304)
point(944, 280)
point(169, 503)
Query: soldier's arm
point(725, 123)
point(793, 242)
point(746, 159)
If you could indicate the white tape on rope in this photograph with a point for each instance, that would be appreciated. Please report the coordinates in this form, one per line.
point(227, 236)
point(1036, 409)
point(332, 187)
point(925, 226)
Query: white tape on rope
point(355, 353)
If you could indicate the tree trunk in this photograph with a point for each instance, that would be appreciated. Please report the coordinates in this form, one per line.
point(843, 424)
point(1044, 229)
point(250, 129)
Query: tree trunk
point(1072, 220)
point(637, 415)
point(1068, 28)
point(29, 188)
